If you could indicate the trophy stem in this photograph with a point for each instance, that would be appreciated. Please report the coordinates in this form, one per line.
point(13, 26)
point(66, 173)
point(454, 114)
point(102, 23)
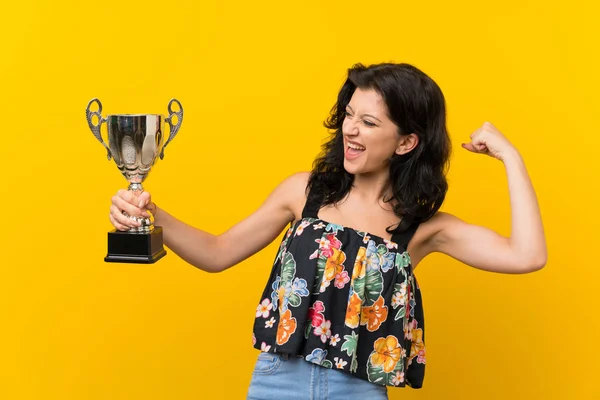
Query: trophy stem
point(147, 224)
point(137, 188)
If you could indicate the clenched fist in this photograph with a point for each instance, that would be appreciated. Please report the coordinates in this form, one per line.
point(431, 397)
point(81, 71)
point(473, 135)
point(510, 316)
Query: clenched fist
point(129, 212)
point(490, 141)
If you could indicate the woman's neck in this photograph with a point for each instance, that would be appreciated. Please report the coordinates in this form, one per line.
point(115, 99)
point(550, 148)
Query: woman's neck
point(372, 188)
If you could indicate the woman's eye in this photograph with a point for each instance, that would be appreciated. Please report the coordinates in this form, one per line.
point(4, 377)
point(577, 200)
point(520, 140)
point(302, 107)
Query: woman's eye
point(367, 123)
point(347, 114)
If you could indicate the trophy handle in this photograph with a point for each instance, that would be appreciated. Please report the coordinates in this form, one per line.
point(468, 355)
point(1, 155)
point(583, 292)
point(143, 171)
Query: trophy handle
point(96, 128)
point(173, 128)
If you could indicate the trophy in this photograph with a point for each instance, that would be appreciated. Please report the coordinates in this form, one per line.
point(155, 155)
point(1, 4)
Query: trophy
point(134, 142)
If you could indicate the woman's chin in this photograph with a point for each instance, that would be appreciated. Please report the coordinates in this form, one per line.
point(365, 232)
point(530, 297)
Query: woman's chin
point(351, 168)
point(359, 169)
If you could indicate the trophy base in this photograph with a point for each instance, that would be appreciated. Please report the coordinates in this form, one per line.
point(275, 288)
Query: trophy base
point(133, 247)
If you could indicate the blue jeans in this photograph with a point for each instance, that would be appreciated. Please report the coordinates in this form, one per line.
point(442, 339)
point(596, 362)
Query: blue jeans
point(279, 376)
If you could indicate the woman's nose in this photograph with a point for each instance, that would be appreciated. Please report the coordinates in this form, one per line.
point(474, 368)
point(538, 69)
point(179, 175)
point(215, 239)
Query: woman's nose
point(353, 129)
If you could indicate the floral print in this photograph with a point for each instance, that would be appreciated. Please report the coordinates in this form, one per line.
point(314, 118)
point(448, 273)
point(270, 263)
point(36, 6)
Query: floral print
point(417, 347)
point(344, 299)
point(287, 288)
point(374, 315)
point(270, 323)
point(324, 331)
point(286, 327)
point(330, 263)
point(387, 353)
point(339, 362)
point(264, 308)
point(334, 340)
point(264, 347)
point(353, 311)
point(315, 313)
point(398, 378)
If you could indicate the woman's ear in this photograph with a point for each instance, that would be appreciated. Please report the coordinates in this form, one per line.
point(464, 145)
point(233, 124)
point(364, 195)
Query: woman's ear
point(407, 143)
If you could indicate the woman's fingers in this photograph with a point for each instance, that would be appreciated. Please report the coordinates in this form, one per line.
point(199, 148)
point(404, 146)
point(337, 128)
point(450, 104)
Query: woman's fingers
point(126, 205)
point(143, 199)
point(475, 147)
point(125, 201)
point(119, 218)
point(119, 226)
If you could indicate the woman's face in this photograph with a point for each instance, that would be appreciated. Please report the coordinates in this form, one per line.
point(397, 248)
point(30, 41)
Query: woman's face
point(370, 137)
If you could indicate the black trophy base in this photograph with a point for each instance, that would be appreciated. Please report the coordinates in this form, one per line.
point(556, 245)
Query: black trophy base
point(138, 248)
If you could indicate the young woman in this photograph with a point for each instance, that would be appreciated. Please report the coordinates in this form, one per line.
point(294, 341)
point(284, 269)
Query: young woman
point(341, 313)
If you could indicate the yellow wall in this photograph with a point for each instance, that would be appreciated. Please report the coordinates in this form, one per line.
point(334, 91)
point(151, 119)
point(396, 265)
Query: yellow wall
point(256, 81)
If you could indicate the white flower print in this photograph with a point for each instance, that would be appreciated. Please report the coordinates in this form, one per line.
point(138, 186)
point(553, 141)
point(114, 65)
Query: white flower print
point(264, 347)
point(270, 323)
point(263, 308)
point(323, 242)
point(334, 340)
point(398, 378)
point(320, 225)
point(403, 288)
point(390, 245)
point(301, 227)
point(397, 299)
point(324, 331)
point(339, 363)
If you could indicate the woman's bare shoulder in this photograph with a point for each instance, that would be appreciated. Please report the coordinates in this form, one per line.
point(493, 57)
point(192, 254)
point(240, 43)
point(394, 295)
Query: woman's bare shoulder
point(294, 189)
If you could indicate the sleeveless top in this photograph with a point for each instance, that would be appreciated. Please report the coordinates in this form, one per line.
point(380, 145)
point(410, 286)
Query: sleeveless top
point(345, 299)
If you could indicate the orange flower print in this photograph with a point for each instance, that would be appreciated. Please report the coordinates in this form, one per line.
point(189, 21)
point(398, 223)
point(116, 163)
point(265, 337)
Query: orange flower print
point(353, 311)
point(334, 264)
point(387, 353)
point(286, 327)
point(281, 295)
point(373, 316)
point(359, 265)
point(417, 347)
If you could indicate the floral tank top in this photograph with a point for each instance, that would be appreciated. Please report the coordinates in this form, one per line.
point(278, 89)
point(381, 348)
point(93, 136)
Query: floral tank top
point(345, 299)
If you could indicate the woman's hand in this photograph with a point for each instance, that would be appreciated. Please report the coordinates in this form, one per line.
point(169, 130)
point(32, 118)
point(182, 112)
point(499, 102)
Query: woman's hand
point(126, 201)
point(490, 141)
point(525, 249)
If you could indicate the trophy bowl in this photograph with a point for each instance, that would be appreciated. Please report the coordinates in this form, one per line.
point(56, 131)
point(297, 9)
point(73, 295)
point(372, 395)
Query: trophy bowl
point(135, 143)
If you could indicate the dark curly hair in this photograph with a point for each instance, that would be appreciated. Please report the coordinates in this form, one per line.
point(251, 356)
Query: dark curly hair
point(415, 104)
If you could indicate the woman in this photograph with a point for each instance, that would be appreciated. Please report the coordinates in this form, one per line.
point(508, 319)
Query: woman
point(341, 314)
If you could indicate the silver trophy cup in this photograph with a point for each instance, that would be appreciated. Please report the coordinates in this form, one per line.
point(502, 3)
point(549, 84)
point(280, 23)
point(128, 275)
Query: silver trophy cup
point(135, 142)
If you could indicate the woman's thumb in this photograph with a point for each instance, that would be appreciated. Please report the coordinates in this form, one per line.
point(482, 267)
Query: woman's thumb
point(144, 199)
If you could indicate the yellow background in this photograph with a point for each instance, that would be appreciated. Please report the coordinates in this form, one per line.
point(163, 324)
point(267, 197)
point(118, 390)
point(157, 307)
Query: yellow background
point(256, 80)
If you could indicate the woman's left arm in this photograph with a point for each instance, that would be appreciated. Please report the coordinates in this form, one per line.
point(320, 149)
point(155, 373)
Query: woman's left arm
point(525, 250)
